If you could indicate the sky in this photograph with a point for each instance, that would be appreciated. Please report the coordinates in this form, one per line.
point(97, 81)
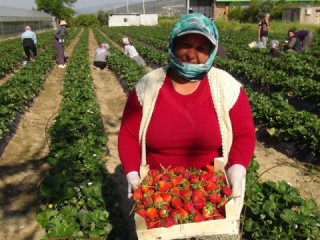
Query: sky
point(29, 4)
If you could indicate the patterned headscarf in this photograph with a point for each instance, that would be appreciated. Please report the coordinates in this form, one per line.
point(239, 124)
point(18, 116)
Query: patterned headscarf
point(193, 23)
point(105, 45)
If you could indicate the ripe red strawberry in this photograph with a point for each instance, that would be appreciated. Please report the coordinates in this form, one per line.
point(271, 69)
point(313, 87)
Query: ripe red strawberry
point(198, 195)
point(203, 176)
point(179, 170)
point(147, 201)
point(153, 224)
point(175, 190)
point(219, 216)
point(166, 177)
point(194, 179)
point(152, 213)
point(177, 180)
point(157, 177)
point(210, 185)
point(199, 204)
point(142, 212)
point(198, 217)
point(188, 206)
point(157, 200)
point(183, 215)
point(209, 168)
point(153, 172)
point(226, 190)
point(215, 198)
point(174, 214)
point(176, 202)
point(167, 197)
point(186, 194)
point(168, 222)
point(137, 195)
point(164, 186)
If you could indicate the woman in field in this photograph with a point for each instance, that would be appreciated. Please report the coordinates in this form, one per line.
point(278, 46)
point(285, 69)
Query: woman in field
point(102, 52)
point(188, 113)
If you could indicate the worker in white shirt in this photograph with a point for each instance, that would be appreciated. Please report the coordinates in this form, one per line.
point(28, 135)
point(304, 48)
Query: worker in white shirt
point(131, 51)
point(29, 41)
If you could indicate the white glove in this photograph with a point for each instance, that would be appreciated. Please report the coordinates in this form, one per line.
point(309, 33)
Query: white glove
point(133, 182)
point(236, 176)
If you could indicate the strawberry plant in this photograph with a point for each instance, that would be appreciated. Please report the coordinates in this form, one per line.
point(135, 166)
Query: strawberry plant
point(277, 211)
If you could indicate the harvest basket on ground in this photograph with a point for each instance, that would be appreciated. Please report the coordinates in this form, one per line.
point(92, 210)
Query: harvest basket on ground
point(226, 227)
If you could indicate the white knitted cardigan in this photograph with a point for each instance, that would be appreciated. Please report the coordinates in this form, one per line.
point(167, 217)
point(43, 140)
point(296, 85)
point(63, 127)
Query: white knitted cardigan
point(225, 91)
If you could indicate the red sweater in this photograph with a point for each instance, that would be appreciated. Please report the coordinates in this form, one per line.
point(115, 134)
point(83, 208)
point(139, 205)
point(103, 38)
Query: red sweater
point(184, 130)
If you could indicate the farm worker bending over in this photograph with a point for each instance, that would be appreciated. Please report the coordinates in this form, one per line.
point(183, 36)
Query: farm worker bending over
point(293, 44)
point(29, 41)
point(59, 35)
point(131, 51)
point(102, 52)
point(305, 38)
point(263, 29)
point(189, 112)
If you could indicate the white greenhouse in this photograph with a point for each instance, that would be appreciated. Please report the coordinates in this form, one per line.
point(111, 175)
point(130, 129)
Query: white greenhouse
point(13, 20)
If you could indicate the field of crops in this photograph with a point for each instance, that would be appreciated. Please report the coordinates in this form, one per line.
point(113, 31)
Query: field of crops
point(78, 196)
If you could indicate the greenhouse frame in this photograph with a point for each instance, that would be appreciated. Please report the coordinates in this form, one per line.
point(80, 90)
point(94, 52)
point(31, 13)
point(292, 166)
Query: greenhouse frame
point(14, 20)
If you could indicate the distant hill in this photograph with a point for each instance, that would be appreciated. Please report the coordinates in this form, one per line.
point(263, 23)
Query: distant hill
point(162, 8)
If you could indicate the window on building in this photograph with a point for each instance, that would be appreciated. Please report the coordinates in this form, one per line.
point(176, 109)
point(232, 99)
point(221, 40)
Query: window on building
point(125, 19)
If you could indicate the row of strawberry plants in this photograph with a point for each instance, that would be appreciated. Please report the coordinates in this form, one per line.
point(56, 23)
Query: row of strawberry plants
point(76, 195)
point(287, 124)
point(151, 54)
point(154, 36)
point(124, 67)
point(277, 80)
point(18, 92)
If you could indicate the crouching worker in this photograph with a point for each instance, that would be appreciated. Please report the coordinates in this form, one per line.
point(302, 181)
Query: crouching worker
point(293, 44)
point(100, 57)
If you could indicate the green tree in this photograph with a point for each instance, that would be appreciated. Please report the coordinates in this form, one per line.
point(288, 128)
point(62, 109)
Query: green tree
point(61, 9)
point(102, 17)
point(235, 12)
point(85, 20)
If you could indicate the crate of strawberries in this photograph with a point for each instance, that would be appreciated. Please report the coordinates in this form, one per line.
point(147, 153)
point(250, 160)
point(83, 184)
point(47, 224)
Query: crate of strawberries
point(179, 203)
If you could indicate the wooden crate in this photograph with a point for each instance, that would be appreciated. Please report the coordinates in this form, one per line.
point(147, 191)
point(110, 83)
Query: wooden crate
point(227, 228)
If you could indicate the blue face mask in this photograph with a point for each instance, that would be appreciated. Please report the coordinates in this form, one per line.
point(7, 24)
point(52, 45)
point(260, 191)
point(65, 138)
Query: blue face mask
point(193, 23)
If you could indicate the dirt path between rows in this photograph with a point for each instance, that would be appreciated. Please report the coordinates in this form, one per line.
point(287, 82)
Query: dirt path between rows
point(22, 164)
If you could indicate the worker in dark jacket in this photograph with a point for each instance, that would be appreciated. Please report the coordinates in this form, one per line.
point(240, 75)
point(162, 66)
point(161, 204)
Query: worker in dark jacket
point(305, 38)
point(59, 35)
point(293, 43)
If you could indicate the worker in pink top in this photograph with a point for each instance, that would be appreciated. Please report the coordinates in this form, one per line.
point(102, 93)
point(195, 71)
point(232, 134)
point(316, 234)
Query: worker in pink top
point(188, 113)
